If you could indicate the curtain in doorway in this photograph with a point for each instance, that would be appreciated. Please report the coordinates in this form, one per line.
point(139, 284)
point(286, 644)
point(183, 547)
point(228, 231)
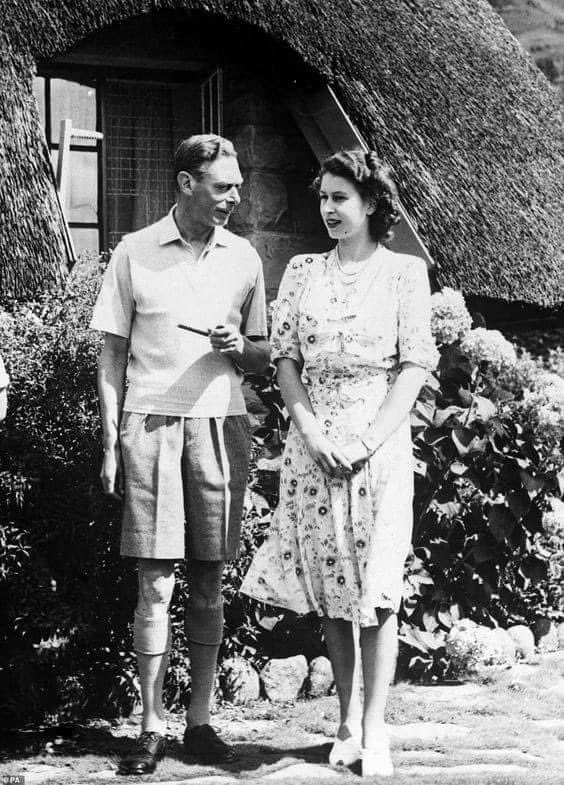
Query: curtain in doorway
point(139, 143)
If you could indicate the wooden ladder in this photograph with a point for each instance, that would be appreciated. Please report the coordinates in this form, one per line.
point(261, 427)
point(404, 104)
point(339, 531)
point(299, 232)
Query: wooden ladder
point(67, 134)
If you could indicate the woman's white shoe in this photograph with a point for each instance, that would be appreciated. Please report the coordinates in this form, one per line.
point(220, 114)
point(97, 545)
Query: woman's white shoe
point(344, 753)
point(377, 761)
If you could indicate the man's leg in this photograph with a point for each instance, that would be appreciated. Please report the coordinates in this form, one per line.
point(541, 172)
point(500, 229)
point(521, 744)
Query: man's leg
point(152, 637)
point(151, 641)
point(204, 631)
point(215, 459)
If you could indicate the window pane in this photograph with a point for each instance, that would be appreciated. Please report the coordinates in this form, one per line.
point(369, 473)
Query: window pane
point(211, 96)
point(85, 241)
point(39, 93)
point(76, 102)
point(82, 195)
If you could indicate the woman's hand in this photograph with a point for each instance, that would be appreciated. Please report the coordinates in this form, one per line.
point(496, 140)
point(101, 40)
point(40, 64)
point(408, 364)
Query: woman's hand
point(330, 458)
point(357, 453)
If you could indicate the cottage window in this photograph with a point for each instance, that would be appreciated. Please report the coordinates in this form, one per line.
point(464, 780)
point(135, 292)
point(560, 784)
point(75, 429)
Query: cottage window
point(61, 99)
point(211, 95)
point(125, 181)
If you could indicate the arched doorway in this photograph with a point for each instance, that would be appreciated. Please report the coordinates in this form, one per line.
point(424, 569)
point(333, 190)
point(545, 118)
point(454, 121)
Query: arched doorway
point(151, 81)
point(147, 83)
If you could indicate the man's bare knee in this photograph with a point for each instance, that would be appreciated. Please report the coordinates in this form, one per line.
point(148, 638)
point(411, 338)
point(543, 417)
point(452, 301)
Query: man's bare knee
point(156, 583)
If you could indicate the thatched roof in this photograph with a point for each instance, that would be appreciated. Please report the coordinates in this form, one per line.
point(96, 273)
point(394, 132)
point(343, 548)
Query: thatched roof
point(31, 246)
point(439, 87)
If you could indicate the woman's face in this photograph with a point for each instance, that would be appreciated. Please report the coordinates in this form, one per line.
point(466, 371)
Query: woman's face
point(343, 210)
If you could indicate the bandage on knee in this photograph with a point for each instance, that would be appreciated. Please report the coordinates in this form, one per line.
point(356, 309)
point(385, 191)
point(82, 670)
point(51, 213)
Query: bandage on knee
point(152, 634)
point(204, 623)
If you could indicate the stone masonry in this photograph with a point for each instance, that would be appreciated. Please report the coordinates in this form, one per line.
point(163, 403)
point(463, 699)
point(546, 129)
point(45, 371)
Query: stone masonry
point(279, 213)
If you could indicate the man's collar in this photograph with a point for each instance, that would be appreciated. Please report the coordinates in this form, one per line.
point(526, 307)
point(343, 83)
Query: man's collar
point(221, 236)
point(169, 232)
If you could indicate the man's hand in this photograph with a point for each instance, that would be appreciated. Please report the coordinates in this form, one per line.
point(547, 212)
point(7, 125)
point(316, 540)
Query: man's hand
point(111, 473)
point(327, 455)
point(226, 339)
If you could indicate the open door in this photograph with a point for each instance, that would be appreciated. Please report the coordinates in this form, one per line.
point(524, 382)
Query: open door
point(327, 128)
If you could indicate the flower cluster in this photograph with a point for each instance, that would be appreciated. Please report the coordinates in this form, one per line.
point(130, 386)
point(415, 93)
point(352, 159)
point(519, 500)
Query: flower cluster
point(551, 385)
point(481, 345)
point(450, 320)
point(520, 376)
point(553, 519)
point(470, 646)
point(543, 407)
point(6, 320)
point(555, 361)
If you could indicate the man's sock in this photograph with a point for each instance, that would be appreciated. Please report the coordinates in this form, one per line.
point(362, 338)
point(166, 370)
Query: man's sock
point(152, 634)
point(204, 623)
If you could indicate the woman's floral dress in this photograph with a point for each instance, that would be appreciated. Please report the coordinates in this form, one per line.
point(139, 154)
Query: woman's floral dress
point(337, 546)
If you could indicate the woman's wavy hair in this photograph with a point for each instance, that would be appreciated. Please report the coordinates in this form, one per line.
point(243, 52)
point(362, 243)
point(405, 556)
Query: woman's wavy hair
point(372, 179)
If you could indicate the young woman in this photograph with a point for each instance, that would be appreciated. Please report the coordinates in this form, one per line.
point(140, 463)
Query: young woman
point(352, 339)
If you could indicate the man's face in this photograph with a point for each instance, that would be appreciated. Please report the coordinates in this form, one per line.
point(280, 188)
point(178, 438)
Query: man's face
point(216, 194)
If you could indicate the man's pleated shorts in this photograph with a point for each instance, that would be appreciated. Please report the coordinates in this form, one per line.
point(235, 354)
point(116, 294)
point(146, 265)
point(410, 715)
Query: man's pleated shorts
point(185, 481)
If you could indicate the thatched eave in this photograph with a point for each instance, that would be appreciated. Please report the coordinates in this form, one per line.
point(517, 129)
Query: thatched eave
point(443, 91)
point(32, 253)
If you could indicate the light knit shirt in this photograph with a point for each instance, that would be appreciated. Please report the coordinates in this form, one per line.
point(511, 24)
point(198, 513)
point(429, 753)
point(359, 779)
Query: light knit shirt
point(153, 283)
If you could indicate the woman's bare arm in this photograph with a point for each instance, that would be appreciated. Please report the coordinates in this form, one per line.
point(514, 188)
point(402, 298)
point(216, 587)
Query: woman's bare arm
point(323, 451)
point(391, 414)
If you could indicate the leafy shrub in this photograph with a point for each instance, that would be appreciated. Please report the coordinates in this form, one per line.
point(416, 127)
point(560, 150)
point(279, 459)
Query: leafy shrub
point(66, 596)
point(489, 469)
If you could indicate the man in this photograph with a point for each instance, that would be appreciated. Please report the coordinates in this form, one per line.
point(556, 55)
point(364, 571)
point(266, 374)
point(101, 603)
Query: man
point(176, 444)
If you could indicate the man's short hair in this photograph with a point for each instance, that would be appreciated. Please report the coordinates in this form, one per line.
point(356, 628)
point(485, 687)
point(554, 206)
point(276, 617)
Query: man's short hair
point(192, 153)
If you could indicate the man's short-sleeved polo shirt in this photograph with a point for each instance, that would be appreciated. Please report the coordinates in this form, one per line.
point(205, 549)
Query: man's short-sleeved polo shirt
point(153, 283)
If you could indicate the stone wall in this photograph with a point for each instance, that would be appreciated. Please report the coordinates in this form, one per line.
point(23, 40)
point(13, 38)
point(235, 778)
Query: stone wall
point(278, 213)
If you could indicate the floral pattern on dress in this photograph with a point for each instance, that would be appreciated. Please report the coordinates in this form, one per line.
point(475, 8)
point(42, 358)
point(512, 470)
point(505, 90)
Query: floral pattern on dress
point(337, 546)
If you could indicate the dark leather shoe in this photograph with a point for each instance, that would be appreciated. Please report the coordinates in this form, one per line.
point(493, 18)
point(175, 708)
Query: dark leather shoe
point(149, 749)
point(203, 743)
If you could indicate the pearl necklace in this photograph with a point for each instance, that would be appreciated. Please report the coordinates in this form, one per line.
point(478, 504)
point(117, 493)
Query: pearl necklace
point(348, 278)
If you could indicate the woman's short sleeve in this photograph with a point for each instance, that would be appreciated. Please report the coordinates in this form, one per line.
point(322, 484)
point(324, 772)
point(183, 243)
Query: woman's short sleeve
point(416, 342)
point(284, 335)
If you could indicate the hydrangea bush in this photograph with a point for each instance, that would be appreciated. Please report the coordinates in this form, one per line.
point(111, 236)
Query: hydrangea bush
point(487, 544)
